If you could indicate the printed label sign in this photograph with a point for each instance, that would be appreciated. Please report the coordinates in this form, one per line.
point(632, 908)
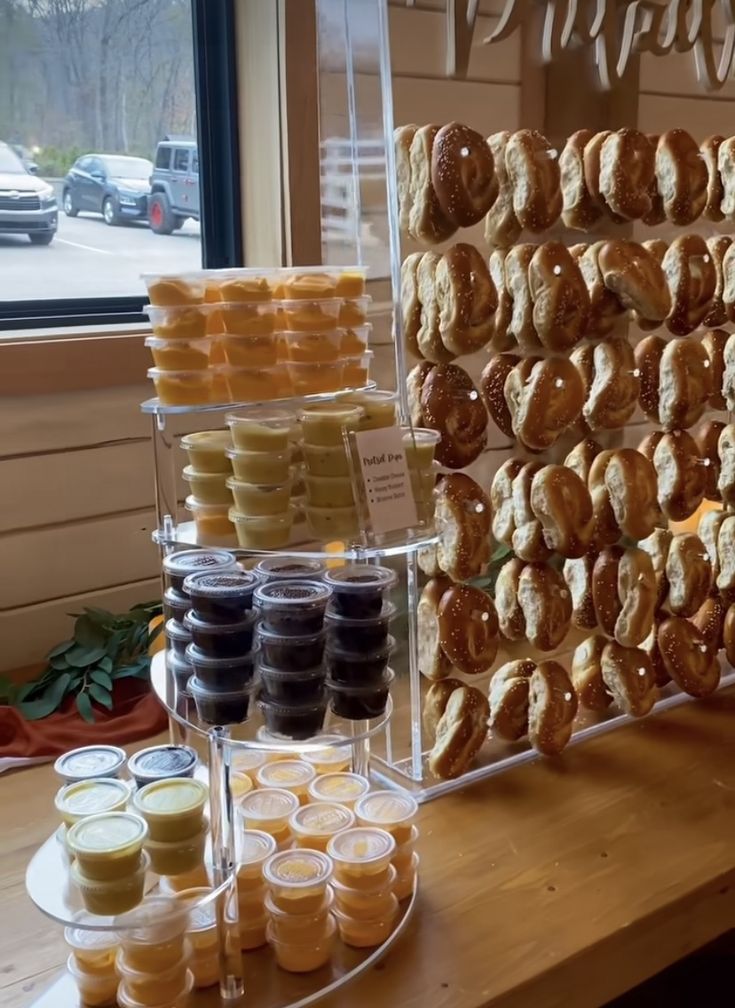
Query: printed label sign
point(387, 481)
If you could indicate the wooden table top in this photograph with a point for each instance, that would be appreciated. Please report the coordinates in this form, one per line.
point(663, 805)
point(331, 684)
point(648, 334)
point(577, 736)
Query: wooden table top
point(560, 883)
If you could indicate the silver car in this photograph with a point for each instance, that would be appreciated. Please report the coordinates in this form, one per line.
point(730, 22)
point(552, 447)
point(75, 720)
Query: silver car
point(27, 204)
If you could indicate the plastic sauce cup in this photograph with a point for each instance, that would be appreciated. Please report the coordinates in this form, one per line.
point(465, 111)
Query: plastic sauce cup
point(342, 788)
point(254, 847)
point(252, 932)
point(90, 761)
point(94, 951)
point(107, 846)
point(388, 810)
point(208, 487)
point(95, 990)
point(111, 897)
point(156, 941)
point(298, 879)
point(360, 933)
point(160, 762)
point(303, 957)
point(201, 929)
point(160, 986)
point(172, 808)
point(315, 824)
point(267, 809)
point(362, 906)
point(206, 450)
point(330, 759)
point(178, 566)
point(282, 568)
point(248, 761)
point(178, 857)
point(126, 1000)
point(406, 878)
point(379, 408)
point(261, 430)
point(360, 853)
point(300, 928)
point(405, 851)
point(77, 801)
point(326, 423)
point(291, 775)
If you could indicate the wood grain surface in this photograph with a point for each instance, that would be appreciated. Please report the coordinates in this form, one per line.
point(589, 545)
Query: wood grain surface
point(561, 883)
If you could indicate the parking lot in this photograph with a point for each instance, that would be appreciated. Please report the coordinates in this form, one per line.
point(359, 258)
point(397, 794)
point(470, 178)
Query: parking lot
point(89, 259)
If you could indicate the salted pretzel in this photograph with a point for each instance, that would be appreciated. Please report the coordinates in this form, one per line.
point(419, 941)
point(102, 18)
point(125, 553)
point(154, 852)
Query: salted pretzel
point(492, 386)
point(717, 312)
point(501, 224)
point(608, 372)
point(691, 277)
point(533, 170)
point(552, 707)
point(426, 219)
point(680, 475)
point(508, 696)
point(626, 173)
point(452, 406)
point(629, 676)
point(605, 308)
point(468, 629)
point(463, 174)
point(543, 400)
point(681, 177)
point(633, 274)
point(466, 298)
point(580, 210)
point(559, 296)
point(561, 502)
point(709, 149)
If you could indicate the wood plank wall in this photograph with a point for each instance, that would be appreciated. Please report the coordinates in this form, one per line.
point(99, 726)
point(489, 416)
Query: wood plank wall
point(76, 470)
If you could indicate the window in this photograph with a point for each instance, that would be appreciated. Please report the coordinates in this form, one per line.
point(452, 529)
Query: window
point(97, 86)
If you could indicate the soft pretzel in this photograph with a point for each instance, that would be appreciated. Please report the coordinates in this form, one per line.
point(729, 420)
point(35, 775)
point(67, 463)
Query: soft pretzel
point(410, 303)
point(626, 173)
point(690, 661)
point(428, 562)
point(533, 170)
point(426, 219)
point(708, 531)
point(561, 502)
point(528, 540)
point(691, 278)
point(635, 277)
point(648, 354)
point(515, 268)
point(414, 383)
point(605, 309)
point(726, 451)
point(728, 378)
point(543, 400)
point(402, 138)
point(428, 337)
point(717, 311)
point(612, 393)
point(508, 696)
point(647, 446)
point(658, 248)
point(681, 176)
point(577, 573)
point(714, 342)
point(628, 675)
point(726, 554)
point(452, 406)
point(547, 605)
point(467, 299)
point(657, 546)
point(460, 733)
point(605, 525)
point(624, 594)
point(463, 174)
point(580, 209)
point(433, 661)
point(728, 282)
point(492, 386)
point(501, 500)
point(435, 702)
point(552, 707)
point(468, 629)
point(630, 480)
point(581, 457)
point(689, 574)
point(680, 475)
point(706, 438)
point(559, 296)
point(728, 634)
point(709, 619)
point(462, 518)
point(726, 168)
point(586, 673)
point(709, 150)
point(685, 383)
point(656, 215)
point(502, 339)
point(650, 646)
point(591, 159)
point(501, 224)
point(511, 620)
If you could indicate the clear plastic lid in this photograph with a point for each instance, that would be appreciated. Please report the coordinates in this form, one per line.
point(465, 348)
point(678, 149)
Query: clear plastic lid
point(90, 761)
point(200, 508)
point(339, 756)
point(225, 585)
point(176, 600)
point(197, 657)
point(189, 473)
point(238, 484)
point(124, 999)
point(298, 869)
point(291, 640)
point(328, 305)
point(386, 807)
point(170, 797)
point(346, 412)
point(197, 375)
point(286, 774)
point(83, 940)
point(361, 845)
point(321, 819)
point(386, 613)
point(363, 689)
point(339, 787)
point(287, 674)
point(162, 976)
point(97, 987)
point(175, 631)
point(247, 759)
point(202, 915)
point(357, 578)
point(212, 440)
point(278, 418)
point(254, 847)
point(199, 689)
point(177, 664)
point(88, 797)
point(268, 804)
point(158, 918)
point(381, 653)
point(162, 761)
point(283, 568)
point(196, 623)
point(193, 561)
point(159, 343)
point(420, 436)
point(292, 594)
point(107, 833)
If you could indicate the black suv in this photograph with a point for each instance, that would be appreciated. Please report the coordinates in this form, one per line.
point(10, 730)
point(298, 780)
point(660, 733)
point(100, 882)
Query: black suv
point(113, 185)
point(174, 185)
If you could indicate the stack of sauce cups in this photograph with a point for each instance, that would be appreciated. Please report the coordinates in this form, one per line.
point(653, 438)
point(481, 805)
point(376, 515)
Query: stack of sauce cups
point(301, 928)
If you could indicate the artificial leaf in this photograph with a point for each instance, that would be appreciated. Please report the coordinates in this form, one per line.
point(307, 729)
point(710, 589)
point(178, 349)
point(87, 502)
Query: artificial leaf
point(101, 695)
point(60, 649)
point(84, 706)
point(105, 664)
point(89, 634)
point(130, 672)
point(59, 663)
point(80, 656)
point(101, 617)
point(34, 710)
point(25, 691)
point(101, 677)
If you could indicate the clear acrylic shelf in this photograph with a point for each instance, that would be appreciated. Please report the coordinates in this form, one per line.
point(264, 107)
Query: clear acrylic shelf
point(157, 408)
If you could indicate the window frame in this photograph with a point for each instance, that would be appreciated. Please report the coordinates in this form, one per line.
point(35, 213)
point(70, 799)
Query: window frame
point(216, 96)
